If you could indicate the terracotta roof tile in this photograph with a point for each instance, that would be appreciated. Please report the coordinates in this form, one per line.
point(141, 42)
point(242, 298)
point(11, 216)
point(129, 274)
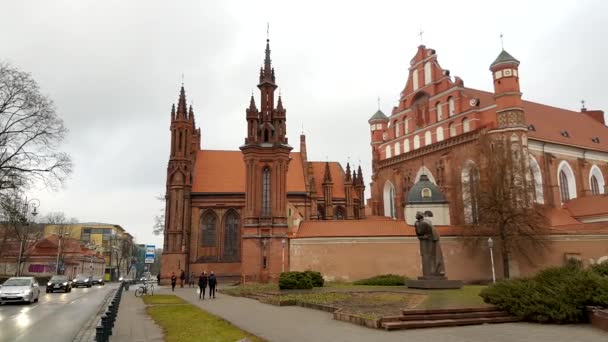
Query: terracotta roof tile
point(337, 177)
point(224, 171)
point(560, 217)
point(588, 206)
point(550, 121)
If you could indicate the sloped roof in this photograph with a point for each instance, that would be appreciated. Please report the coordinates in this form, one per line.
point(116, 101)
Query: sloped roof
point(224, 172)
point(337, 178)
point(550, 121)
point(588, 206)
point(415, 194)
point(378, 116)
point(366, 227)
point(504, 57)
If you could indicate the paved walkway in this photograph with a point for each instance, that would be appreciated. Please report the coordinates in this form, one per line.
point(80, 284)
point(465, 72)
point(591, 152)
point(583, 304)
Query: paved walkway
point(297, 324)
point(133, 323)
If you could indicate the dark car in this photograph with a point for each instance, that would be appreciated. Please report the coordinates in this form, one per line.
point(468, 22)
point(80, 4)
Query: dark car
point(59, 283)
point(82, 280)
point(97, 281)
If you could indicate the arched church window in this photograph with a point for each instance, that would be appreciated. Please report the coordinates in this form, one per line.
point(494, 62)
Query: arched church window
point(388, 152)
point(452, 130)
point(567, 183)
point(415, 78)
point(451, 106)
point(427, 73)
point(439, 111)
point(466, 125)
point(538, 181)
point(416, 142)
point(231, 236)
point(470, 192)
point(340, 213)
point(266, 192)
point(420, 108)
point(426, 192)
point(389, 200)
point(406, 145)
point(439, 133)
point(428, 138)
point(320, 211)
point(209, 229)
point(596, 181)
point(397, 148)
point(563, 186)
point(266, 135)
point(406, 124)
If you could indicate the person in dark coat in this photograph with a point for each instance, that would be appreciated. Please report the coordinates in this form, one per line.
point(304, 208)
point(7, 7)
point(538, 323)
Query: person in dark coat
point(202, 284)
point(173, 281)
point(182, 277)
point(158, 278)
point(212, 284)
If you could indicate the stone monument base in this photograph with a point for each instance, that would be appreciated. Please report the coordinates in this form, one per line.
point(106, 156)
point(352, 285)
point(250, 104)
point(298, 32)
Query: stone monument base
point(434, 282)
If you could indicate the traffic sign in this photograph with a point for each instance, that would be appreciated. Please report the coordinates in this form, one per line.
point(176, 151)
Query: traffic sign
point(149, 257)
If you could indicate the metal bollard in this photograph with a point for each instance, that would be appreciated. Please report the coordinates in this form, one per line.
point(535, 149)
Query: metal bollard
point(99, 334)
point(106, 327)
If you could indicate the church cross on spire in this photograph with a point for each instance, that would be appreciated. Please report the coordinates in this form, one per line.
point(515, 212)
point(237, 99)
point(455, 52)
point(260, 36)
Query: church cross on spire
point(502, 42)
point(420, 35)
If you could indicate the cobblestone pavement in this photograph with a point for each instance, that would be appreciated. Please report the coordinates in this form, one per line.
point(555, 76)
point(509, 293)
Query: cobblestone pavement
point(297, 324)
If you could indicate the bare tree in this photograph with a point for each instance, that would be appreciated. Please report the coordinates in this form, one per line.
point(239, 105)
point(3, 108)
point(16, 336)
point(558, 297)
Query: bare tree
point(30, 134)
point(500, 200)
point(159, 220)
point(122, 248)
point(18, 227)
point(61, 226)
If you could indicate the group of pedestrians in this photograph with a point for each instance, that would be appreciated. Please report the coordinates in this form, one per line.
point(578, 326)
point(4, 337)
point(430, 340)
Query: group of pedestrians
point(203, 280)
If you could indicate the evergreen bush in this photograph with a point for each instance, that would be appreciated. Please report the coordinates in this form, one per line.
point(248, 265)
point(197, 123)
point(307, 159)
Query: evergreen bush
point(557, 294)
point(294, 280)
point(315, 277)
point(601, 269)
point(383, 280)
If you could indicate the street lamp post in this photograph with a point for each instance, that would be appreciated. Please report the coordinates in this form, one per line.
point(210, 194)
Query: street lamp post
point(491, 245)
point(34, 203)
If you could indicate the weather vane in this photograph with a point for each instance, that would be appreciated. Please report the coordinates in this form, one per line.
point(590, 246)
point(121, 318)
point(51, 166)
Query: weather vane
point(182, 78)
point(502, 43)
point(420, 34)
point(267, 31)
point(378, 102)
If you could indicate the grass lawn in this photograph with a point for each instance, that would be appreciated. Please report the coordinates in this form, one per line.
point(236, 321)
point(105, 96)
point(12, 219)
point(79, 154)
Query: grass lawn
point(187, 323)
point(467, 296)
point(163, 299)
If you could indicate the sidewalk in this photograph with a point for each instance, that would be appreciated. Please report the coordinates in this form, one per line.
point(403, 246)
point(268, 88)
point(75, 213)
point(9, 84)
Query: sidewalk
point(133, 323)
point(297, 324)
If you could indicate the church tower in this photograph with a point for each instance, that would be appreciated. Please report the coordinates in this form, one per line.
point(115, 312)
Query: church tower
point(266, 155)
point(509, 110)
point(185, 141)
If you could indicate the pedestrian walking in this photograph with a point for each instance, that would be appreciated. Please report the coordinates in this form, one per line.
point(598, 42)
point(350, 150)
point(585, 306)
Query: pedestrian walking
point(158, 278)
point(212, 284)
point(202, 284)
point(173, 281)
point(182, 277)
point(192, 280)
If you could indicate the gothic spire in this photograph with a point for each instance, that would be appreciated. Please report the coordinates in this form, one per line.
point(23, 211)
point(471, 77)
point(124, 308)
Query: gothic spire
point(359, 176)
point(267, 71)
point(347, 173)
point(327, 175)
point(280, 104)
point(173, 112)
point(181, 104)
point(355, 179)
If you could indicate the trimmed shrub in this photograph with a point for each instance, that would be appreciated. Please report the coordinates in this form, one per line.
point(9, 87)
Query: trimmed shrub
point(601, 269)
point(315, 277)
point(557, 294)
point(294, 280)
point(383, 280)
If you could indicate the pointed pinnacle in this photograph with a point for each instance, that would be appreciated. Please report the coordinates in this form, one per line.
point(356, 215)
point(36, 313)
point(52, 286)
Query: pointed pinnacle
point(280, 104)
point(181, 104)
point(327, 176)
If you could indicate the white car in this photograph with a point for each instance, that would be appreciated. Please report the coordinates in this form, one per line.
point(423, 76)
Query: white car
point(20, 289)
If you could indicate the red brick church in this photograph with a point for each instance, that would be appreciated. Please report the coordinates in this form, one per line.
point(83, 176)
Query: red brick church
point(255, 212)
point(232, 211)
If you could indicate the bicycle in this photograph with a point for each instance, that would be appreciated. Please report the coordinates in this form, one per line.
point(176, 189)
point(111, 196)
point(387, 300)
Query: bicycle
point(145, 289)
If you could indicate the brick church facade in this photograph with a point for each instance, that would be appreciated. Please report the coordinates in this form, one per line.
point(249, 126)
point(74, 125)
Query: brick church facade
point(233, 211)
point(263, 209)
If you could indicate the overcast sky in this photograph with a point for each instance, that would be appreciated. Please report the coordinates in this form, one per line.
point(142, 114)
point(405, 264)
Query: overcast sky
point(114, 68)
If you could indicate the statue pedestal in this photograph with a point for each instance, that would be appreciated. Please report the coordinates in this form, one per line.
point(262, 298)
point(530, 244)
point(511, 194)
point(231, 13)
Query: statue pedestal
point(434, 282)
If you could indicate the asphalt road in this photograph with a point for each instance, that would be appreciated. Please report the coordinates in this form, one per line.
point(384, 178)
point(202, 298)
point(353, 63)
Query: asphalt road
point(55, 317)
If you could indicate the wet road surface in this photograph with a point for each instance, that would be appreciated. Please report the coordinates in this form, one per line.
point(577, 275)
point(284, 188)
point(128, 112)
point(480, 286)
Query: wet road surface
point(55, 317)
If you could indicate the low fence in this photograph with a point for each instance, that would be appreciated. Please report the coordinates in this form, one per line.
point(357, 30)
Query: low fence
point(103, 330)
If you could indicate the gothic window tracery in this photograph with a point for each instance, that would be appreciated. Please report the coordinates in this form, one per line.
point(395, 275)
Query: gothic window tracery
point(596, 181)
point(209, 229)
point(340, 213)
point(266, 192)
point(567, 182)
point(231, 236)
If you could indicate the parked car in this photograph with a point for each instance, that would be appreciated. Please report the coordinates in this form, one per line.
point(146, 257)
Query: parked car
point(97, 281)
point(20, 289)
point(82, 280)
point(59, 283)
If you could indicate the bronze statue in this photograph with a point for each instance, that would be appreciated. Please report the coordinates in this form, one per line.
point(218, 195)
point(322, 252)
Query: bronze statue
point(430, 249)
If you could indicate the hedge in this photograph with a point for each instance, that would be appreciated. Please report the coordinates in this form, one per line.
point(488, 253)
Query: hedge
point(383, 280)
point(557, 294)
point(300, 280)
